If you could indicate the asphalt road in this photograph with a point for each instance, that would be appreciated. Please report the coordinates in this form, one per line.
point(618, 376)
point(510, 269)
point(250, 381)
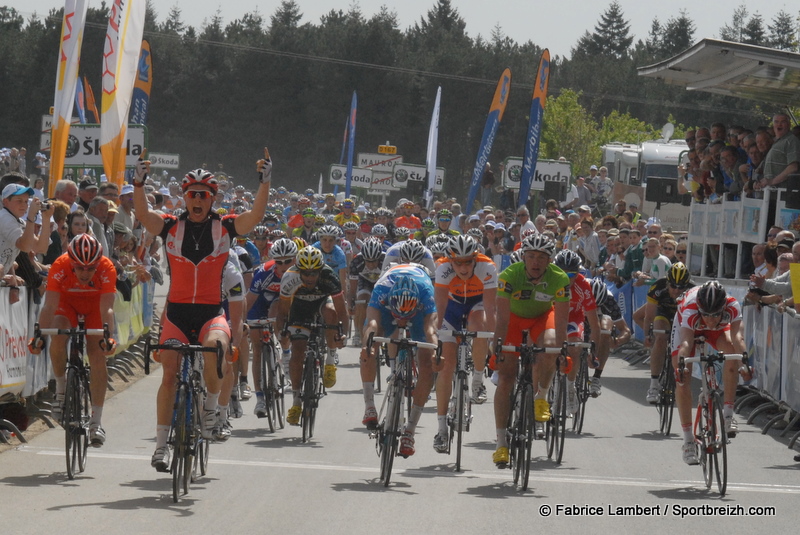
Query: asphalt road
point(271, 482)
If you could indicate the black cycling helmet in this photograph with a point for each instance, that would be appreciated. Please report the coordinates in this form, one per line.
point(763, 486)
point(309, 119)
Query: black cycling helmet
point(711, 298)
point(599, 291)
point(568, 260)
point(678, 275)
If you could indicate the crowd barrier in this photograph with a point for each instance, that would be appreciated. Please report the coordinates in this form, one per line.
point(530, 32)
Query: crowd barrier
point(24, 374)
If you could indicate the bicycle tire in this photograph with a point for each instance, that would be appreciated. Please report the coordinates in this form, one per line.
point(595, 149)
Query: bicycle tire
point(556, 426)
point(391, 432)
point(201, 445)
point(309, 393)
point(582, 393)
point(666, 402)
point(278, 398)
point(266, 385)
point(85, 400)
point(462, 414)
point(180, 438)
point(526, 431)
point(719, 443)
point(68, 416)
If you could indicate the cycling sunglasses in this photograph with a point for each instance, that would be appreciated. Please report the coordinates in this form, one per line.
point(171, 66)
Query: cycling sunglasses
point(309, 272)
point(709, 314)
point(196, 194)
point(463, 262)
point(284, 262)
point(444, 219)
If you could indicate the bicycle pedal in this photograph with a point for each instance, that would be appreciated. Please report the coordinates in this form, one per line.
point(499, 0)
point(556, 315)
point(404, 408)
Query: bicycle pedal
point(502, 466)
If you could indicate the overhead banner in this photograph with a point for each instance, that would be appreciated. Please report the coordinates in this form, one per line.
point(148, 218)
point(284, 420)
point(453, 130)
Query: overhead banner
point(142, 86)
point(120, 67)
point(351, 141)
point(496, 111)
point(433, 142)
point(69, 56)
point(534, 127)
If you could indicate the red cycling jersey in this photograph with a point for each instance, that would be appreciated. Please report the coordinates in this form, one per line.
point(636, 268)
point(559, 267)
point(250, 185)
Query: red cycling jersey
point(78, 299)
point(581, 300)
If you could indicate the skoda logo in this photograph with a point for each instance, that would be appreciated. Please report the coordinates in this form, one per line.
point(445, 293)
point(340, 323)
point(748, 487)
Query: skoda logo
point(515, 173)
point(336, 174)
point(73, 146)
point(401, 175)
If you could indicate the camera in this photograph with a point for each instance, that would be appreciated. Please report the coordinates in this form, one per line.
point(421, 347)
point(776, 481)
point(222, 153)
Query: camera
point(45, 206)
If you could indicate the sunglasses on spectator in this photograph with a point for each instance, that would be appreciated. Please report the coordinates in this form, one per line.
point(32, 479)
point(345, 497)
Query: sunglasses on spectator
point(284, 262)
point(680, 251)
point(652, 232)
point(202, 195)
point(669, 248)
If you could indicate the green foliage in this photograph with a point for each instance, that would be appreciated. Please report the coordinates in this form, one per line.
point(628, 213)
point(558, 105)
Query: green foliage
point(783, 32)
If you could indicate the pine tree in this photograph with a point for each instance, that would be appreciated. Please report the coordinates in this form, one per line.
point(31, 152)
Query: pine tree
point(782, 32)
point(678, 34)
point(611, 37)
point(735, 30)
point(753, 32)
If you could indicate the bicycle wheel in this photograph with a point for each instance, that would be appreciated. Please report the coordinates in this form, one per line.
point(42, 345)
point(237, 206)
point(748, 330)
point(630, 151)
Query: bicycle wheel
point(719, 443)
point(582, 393)
point(523, 444)
point(463, 408)
point(666, 402)
point(391, 431)
point(277, 387)
point(309, 399)
point(267, 357)
point(70, 417)
point(556, 426)
point(85, 403)
point(180, 438)
point(201, 445)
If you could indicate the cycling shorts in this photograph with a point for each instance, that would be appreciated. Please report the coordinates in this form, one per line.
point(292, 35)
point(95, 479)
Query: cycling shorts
point(190, 323)
point(455, 322)
point(88, 307)
point(575, 330)
point(535, 326)
point(711, 337)
point(303, 311)
point(415, 330)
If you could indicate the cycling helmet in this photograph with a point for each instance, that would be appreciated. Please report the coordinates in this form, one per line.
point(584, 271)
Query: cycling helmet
point(222, 211)
point(260, 230)
point(303, 201)
point(403, 297)
point(299, 242)
point(371, 250)
point(412, 251)
point(277, 233)
point(350, 226)
point(444, 212)
point(463, 246)
point(439, 248)
point(402, 232)
point(599, 291)
point(348, 203)
point(309, 191)
point(200, 176)
point(84, 250)
point(309, 212)
point(678, 275)
point(568, 260)
point(528, 232)
point(380, 230)
point(428, 223)
point(516, 256)
point(711, 298)
point(475, 233)
point(538, 242)
point(239, 188)
point(283, 248)
point(328, 230)
point(319, 220)
point(310, 258)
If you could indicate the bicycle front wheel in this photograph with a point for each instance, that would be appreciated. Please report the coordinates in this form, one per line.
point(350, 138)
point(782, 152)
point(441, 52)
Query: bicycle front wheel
point(666, 402)
point(86, 412)
point(719, 443)
point(523, 438)
point(582, 393)
point(391, 431)
point(556, 426)
point(310, 373)
point(180, 440)
point(72, 422)
point(462, 415)
point(267, 358)
point(277, 386)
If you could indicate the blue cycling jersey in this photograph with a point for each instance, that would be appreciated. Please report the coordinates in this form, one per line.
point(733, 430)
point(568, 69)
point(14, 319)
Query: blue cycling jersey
point(336, 259)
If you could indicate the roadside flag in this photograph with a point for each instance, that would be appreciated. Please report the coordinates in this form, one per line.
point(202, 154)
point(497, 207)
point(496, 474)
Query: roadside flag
point(534, 127)
point(142, 86)
point(79, 100)
point(489, 132)
point(433, 143)
point(91, 105)
point(68, 62)
point(120, 62)
point(351, 141)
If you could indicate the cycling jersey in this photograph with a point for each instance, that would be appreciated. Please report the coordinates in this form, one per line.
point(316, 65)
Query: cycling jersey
point(529, 300)
point(393, 257)
point(197, 254)
point(410, 222)
point(688, 315)
point(426, 304)
point(658, 294)
point(464, 295)
point(343, 218)
point(266, 286)
point(581, 299)
point(232, 286)
point(306, 302)
point(365, 277)
point(78, 299)
point(303, 232)
point(336, 259)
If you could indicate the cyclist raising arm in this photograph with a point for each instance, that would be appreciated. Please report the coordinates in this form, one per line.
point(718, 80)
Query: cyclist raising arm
point(81, 282)
point(533, 295)
point(197, 245)
point(709, 311)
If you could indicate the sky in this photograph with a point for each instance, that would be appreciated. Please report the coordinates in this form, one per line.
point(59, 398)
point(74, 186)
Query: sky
point(556, 25)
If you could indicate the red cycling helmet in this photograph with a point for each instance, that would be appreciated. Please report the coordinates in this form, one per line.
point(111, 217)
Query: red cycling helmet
point(200, 176)
point(84, 250)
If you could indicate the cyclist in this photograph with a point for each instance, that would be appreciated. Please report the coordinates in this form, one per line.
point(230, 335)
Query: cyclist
point(307, 229)
point(407, 219)
point(533, 295)
point(409, 251)
point(364, 271)
point(610, 318)
point(403, 297)
point(380, 233)
point(351, 232)
point(308, 288)
point(709, 311)
point(347, 214)
point(659, 312)
point(465, 293)
point(333, 254)
point(582, 308)
point(443, 220)
point(427, 228)
point(402, 234)
point(197, 245)
point(262, 299)
point(81, 282)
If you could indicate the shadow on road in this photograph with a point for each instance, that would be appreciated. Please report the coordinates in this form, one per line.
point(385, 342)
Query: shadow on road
point(689, 493)
point(653, 436)
point(500, 491)
point(40, 480)
point(283, 442)
point(374, 485)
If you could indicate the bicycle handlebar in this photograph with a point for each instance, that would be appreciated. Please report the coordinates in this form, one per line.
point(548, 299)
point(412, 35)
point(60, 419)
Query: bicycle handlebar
point(70, 332)
point(468, 334)
point(404, 341)
point(260, 324)
point(719, 357)
point(582, 345)
point(534, 349)
point(184, 348)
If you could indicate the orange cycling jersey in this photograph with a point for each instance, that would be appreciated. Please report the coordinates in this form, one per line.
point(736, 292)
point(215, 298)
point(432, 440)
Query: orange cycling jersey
point(484, 277)
point(62, 279)
point(409, 222)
